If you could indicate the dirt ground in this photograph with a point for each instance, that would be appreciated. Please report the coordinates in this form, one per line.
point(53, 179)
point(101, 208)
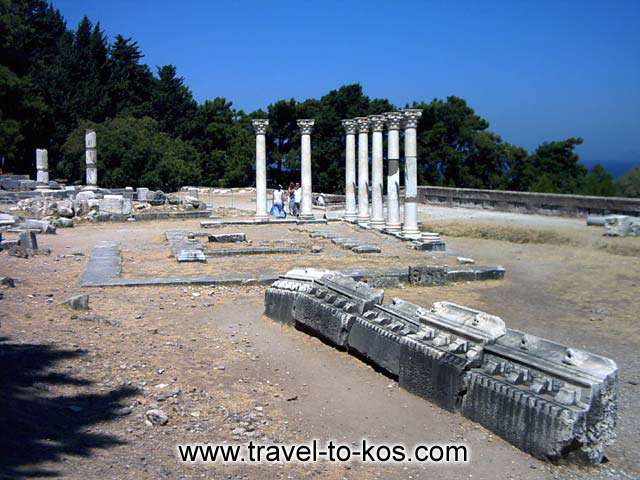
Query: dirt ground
point(76, 385)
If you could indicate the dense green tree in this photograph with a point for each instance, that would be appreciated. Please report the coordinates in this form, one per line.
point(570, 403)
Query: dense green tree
point(130, 82)
point(629, 184)
point(598, 182)
point(455, 148)
point(172, 104)
point(55, 81)
point(554, 168)
point(133, 152)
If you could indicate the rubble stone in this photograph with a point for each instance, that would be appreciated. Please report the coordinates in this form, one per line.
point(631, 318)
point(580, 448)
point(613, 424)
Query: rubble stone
point(78, 302)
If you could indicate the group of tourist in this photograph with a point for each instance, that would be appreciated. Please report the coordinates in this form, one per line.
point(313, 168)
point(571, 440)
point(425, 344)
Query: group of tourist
point(286, 202)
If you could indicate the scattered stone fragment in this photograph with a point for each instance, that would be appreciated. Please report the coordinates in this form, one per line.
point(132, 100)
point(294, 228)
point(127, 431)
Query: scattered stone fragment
point(28, 240)
point(465, 260)
point(228, 237)
point(63, 222)
point(7, 282)
point(316, 248)
point(78, 302)
point(366, 249)
point(156, 417)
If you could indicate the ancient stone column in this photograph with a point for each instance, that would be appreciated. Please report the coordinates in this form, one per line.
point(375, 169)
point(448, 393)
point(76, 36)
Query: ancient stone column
point(42, 169)
point(91, 160)
point(363, 170)
point(350, 171)
point(394, 121)
point(410, 226)
point(260, 127)
point(377, 185)
point(306, 205)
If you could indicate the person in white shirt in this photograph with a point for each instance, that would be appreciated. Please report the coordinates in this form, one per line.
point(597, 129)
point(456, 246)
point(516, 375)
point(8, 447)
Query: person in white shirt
point(297, 198)
point(277, 196)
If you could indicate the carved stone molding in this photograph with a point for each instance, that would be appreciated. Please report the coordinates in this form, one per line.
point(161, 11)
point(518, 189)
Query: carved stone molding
point(260, 125)
point(394, 120)
point(377, 122)
point(350, 126)
point(306, 125)
point(363, 124)
point(411, 117)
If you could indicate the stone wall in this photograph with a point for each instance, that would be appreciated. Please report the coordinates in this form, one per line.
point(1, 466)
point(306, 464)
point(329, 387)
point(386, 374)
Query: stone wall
point(527, 202)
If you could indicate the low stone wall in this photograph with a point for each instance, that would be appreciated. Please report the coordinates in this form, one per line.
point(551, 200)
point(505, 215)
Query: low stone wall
point(528, 202)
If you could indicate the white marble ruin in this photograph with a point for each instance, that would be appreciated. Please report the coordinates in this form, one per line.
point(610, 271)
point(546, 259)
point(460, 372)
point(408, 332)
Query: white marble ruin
point(363, 170)
point(394, 122)
point(410, 226)
point(260, 127)
point(42, 169)
point(351, 211)
point(306, 212)
point(91, 160)
point(377, 187)
point(392, 223)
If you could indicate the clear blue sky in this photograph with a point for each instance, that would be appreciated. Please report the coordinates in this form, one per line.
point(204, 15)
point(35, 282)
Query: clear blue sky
point(536, 70)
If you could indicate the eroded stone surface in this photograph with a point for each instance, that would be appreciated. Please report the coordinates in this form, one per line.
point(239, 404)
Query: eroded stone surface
point(545, 398)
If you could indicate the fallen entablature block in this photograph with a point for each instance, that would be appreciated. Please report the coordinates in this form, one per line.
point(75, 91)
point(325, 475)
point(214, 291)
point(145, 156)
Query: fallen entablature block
point(547, 399)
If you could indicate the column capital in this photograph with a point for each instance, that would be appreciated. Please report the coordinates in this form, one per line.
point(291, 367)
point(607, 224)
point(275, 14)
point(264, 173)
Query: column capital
point(306, 125)
point(260, 125)
point(350, 126)
point(363, 124)
point(411, 117)
point(377, 122)
point(394, 120)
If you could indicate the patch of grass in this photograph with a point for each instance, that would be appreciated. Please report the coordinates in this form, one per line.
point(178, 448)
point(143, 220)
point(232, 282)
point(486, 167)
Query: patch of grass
point(626, 247)
point(498, 232)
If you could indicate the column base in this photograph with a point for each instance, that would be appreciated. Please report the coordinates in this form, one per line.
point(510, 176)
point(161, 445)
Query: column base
point(42, 187)
point(363, 220)
point(377, 224)
point(306, 216)
point(261, 218)
point(350, 216)
point(393, 227)
point(411, 234)
point(89, 188)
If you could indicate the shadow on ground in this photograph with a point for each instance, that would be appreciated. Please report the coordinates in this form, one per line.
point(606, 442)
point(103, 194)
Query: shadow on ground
point(37, 426)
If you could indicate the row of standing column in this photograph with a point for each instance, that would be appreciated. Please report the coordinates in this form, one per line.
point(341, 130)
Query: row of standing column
point(306, 203)
point(359, 210)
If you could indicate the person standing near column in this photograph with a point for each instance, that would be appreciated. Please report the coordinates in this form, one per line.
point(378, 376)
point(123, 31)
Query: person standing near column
point(377, 205)
point(306, 207)
point(394, 121)
point(363, 170)
point(410, 227)
point(260, 127)
point(351, 211)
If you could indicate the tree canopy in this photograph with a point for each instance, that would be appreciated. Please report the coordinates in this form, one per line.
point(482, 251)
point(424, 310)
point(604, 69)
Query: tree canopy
point(55, 82)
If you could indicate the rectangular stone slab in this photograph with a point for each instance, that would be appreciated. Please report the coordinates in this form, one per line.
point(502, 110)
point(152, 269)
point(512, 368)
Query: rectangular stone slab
point(366, 249)
point(228, 237)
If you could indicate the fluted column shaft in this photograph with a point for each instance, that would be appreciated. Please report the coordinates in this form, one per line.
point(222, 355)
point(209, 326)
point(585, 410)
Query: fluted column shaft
point(350, 171)
point(377, 205)
point(42, 169)
point(394, 120)
point(410, 226)
point(363, 169)
point(260, 127)
point(306, 205)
